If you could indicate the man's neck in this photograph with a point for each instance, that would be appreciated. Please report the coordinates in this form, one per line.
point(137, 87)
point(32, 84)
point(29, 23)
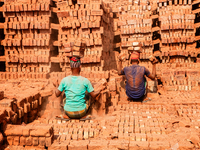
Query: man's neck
point(134, 63)
point(75, 73)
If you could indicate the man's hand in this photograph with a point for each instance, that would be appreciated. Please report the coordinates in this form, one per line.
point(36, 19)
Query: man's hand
point(55, 82)
point(122, 57)
point(58, 93)
point(153, 60)
point(96, 93)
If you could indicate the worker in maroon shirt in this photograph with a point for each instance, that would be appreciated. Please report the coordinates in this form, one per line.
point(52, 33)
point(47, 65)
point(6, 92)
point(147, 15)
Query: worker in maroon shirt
point(136, 84)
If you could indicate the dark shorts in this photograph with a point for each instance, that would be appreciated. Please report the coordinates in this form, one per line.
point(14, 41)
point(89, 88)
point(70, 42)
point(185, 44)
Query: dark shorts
point(141, 98)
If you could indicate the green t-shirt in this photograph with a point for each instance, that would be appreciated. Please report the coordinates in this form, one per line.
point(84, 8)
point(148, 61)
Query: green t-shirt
point(75, 88)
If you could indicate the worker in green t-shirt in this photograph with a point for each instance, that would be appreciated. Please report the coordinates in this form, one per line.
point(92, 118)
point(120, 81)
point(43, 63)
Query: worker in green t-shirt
point(75, 87)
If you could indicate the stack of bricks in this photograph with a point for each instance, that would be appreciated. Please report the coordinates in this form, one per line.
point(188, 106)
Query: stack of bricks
point(1, 30)
point(24, 107)
point(177, 29)
point(3, 124)
point(180, 80)
point(36, 135)
point(112, 85)
point(99, 107)
point(80, 34)
point(178, 45)
point(92, 76)
point(111, 37)
point(133, 126)
point(27, 39)
point(75, 130)
point(135, 25)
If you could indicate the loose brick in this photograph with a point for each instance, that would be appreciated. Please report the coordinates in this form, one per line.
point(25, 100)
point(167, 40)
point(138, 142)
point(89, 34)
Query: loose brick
point(78, 145)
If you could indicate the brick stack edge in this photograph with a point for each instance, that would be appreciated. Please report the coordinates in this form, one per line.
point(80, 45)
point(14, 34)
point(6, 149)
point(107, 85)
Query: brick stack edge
point(30, 135)
point(18, 109)
point(27, 40)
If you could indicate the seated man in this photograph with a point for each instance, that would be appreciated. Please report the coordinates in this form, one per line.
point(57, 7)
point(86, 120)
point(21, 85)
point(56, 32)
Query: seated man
point(75, 87)
point(136, 84)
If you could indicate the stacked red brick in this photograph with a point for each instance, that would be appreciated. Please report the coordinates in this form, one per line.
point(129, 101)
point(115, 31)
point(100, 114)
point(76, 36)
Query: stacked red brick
point(80, 34)
point(111, 36)
point(178, 45)
point(27, 39)
point(20, 109)
point(24, 106)
point(37, 135)
point(3, 124)
point(135, 25)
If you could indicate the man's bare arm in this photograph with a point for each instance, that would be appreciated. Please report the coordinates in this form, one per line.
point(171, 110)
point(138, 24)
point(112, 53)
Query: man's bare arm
point(152, 75)
point(95, 94)
point(119, 67)
point(58, 93)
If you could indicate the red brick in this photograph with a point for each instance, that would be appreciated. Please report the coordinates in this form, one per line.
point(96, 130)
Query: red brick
point(29, 141)
point(16, 140)
point(78, 145)
point(35, 141)
point(118, 144)
point(98, 144)
point(42, 141)
point(49, 141)
point(1, 95)
point(22, 141)
point(10, 140)
point(138, 145)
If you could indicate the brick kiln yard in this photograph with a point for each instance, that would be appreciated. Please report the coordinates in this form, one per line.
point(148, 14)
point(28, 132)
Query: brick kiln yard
point(37, 37)
point(28, 110)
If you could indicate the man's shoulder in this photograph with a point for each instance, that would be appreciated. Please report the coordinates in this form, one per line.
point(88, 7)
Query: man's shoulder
point(83, 78)
point(66, 78)
point(141, 66)
point(138, 67)
point(133, 66)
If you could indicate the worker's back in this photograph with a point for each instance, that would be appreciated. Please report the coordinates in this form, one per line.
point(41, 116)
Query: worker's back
point(135, 76)
point(75, 88)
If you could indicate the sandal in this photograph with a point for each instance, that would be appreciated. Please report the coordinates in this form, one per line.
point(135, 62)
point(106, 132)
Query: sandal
point(148, 99)
point(88, 117)
point(61, 117)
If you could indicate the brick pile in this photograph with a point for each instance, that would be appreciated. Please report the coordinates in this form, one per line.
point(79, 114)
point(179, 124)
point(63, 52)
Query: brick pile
point(135, 25)
point(177, 29)
point(131, 126)
point(178, 45)
point(131, 22)
point(97, 31)
point(75, 130)
point(3, 124)
point(27, 39)
point(80, 34)
point(111, 37)
point(40, 135)
point(160, 123)
point(21, 104)
point(92, 76)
